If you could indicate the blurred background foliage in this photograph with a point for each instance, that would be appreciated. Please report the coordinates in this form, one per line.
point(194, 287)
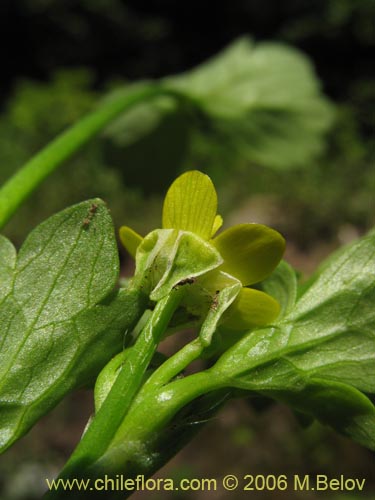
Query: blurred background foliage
point(60, 57)
point(72, 52)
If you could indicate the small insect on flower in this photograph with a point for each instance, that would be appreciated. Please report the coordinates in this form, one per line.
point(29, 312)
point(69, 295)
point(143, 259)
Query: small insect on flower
point(215, 300)
point(185, 281)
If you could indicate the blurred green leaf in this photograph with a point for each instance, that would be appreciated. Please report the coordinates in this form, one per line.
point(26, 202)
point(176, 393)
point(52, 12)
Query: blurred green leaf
point(321, 357)
point(61, 319)
point(154, 133)
point(262, 101)
point(245, 75)
point(140, 120)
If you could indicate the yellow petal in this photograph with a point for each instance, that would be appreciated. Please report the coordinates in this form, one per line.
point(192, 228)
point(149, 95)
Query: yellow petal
point(130, 239)
point(218, 222)
point(250, 251)
point(191, 204)
point(252, 308)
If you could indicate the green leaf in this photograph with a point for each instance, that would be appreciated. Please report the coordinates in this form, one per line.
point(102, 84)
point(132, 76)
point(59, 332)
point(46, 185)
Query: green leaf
point(140, 120)
point(341, 406)
point(60, 321)
point(263, 99)
point(327, 341)
point(8, 257)
point(155, 132)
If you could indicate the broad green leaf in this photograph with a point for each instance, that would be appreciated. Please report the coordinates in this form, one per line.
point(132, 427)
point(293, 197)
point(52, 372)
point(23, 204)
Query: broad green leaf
point(328, 338)
point(281, 139)
point(341, 406)
point(250, 251)
point(223, 82)
point(61, 320)
point(343, 251)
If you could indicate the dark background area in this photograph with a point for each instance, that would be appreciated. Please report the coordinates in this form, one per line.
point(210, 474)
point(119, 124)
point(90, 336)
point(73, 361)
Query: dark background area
point(319, 208)
point(149, 39)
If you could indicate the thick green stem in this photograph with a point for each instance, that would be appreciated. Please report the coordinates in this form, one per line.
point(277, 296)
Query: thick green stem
point(165, 402)
point(115, 407)
point(23, 183)
point(132, 448)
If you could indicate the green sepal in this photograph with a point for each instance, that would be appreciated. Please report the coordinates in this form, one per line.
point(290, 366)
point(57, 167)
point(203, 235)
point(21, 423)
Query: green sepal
point(227, 290)
point(168, 257)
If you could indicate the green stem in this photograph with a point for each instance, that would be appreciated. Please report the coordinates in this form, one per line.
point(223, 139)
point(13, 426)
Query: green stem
point(23, 183)
point(175, 364)
point(115, 407)
point(165, 402)
point(132, 448)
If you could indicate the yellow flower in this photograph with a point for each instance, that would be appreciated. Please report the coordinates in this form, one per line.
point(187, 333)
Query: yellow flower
point(249, 252)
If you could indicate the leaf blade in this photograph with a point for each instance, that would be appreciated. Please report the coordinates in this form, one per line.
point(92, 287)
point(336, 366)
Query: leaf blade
point(57, 333)
point(327, 339)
